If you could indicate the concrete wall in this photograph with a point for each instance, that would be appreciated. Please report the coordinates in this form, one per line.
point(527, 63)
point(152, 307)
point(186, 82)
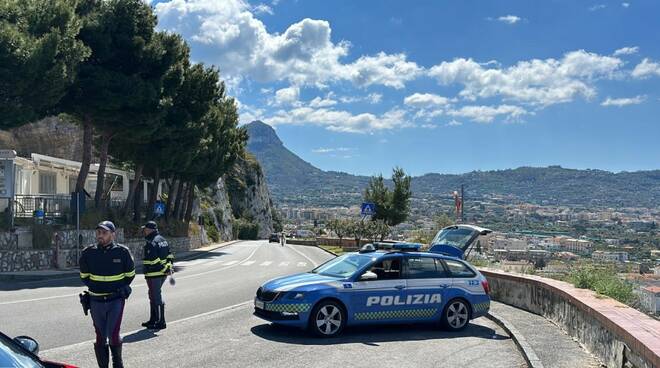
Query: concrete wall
point(618, 335)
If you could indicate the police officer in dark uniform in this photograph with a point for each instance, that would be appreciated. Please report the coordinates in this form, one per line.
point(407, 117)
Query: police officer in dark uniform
point(157, 265)
point(107, 269)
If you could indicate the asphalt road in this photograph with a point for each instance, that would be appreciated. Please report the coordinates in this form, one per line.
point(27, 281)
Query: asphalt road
point(210, 322)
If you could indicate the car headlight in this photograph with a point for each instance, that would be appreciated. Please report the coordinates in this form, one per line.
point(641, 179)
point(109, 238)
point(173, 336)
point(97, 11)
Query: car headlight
point(296, 295)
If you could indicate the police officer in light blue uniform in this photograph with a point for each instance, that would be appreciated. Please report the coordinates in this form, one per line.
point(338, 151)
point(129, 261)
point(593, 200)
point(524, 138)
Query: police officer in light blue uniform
point(107, 269)
point(157, 263)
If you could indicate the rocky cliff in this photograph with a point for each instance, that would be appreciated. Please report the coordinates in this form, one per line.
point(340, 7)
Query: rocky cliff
point(50, 136)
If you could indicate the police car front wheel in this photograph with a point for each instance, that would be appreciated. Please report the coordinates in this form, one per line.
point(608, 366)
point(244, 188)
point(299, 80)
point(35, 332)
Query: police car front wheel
point(327, 319)
point(456, 315)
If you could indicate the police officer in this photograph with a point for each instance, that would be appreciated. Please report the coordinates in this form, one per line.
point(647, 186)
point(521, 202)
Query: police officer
point(157, 265)
point(107, 269)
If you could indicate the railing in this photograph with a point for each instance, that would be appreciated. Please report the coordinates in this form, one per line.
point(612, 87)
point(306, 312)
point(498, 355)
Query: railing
point(53, 206)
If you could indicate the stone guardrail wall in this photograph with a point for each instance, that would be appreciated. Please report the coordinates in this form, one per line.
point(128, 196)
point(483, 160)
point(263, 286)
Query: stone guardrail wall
point(65, 253)
point(618, 335)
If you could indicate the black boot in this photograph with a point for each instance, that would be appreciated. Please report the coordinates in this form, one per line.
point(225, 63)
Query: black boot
point(153, 312)
point(116, 356)
point(102, 355)
point(160, 324)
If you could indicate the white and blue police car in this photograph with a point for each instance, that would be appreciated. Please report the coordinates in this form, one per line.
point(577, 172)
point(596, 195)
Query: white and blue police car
point(376, 285)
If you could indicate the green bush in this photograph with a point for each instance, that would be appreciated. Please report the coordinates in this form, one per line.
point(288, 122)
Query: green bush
point(209, 227)
point(42, 236)
point(245, 229)
point(603, 281)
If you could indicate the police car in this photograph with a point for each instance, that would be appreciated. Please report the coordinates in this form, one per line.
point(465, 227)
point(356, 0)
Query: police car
point(381, 284)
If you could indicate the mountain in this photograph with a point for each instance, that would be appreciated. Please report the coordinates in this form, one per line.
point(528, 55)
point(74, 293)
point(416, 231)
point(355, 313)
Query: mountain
point(295, 181)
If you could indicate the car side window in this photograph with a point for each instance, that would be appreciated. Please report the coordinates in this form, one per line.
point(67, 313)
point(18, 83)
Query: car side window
point(387, 269)
point(423, 268)
point(459, 269)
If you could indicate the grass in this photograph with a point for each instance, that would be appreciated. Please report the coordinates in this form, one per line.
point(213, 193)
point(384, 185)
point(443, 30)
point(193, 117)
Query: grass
point(336, 250)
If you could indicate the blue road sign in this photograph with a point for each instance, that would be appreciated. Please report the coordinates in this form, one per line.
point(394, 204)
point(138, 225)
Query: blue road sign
point(368, 209)
point(159, 208)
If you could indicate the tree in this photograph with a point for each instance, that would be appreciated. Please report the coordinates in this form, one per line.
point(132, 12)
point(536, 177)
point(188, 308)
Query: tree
point(119, 88)
point(442, 221)
point(39, 56)
point(393, 207)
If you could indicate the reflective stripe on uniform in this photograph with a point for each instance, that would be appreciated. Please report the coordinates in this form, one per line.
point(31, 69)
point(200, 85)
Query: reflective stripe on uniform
point(84, 275)
point(155, 261)
point(98, 294)
point(111, 278)
point(159, 273)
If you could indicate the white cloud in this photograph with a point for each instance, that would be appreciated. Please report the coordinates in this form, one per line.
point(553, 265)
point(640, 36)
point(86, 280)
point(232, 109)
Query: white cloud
point(228, 35)
point(341, 121)
point(454, 123)
point(287, 96)
point(625, 5)
point(646, 69)
point(330, 150)
point(486, 114)
point(374, 98)
point(428, 126)
point(509, 19)
point(322, 102)
point(626, 51)
point(536, 82)
point(422, 100)
point(384, 69)
point(624, 101)
point(597, 7)
point(266, 91)
point(263, 9)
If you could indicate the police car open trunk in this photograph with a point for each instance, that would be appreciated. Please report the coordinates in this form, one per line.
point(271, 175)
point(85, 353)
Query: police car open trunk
point(457, 240)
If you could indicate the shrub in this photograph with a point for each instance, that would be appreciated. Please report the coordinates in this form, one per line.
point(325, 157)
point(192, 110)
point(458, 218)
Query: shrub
point(603, 281)
point(245, 229)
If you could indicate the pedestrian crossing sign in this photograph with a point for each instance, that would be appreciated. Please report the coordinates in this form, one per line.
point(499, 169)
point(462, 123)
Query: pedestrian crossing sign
point(368, 209)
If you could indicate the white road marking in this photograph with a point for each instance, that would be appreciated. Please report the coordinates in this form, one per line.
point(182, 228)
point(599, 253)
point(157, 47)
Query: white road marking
point(283, 264)
point(248, 263)
point(84, 343)
point(230, 264)
point(267, 263)
point(296, 250)
point(302, 264)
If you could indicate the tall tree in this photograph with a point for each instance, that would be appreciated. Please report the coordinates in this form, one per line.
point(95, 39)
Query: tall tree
point(119, 88)
point(392, 206)
point(39, 56)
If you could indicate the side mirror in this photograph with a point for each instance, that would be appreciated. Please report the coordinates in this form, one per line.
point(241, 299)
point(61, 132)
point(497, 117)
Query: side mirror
point(368, 276)
point(28, 344)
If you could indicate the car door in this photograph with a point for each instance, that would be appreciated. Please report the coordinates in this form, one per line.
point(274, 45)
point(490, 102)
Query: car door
point(378, 300)
point(427, 284)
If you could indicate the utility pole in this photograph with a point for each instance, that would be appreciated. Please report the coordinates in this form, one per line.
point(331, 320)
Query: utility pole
point(462, 203)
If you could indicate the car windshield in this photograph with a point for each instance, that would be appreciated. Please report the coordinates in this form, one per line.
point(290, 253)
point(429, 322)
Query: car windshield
point(343, 266)
point(456, 237)
point(13, 356)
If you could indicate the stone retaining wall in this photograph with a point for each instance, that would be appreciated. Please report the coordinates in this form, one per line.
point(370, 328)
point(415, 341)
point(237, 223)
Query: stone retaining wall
point(618, 335)
point(65, 253)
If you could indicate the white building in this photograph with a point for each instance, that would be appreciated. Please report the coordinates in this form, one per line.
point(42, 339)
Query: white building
point(650, 299)
point(603, 256)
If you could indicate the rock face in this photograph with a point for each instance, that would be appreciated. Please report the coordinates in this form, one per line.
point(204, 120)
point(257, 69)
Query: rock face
point(50, 136)
point(249, 196)
point(222, 214)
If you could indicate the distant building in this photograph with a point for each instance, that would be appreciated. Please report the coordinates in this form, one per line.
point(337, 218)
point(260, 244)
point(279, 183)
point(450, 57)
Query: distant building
point(604, 256)
point(579, 246)
point(650, 299)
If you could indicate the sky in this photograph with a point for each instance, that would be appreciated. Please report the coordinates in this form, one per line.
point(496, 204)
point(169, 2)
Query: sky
point(439, 86)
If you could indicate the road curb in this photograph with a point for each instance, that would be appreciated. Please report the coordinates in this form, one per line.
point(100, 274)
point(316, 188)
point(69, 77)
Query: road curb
point(327, 251)
point(195, 253)
point(519, 339)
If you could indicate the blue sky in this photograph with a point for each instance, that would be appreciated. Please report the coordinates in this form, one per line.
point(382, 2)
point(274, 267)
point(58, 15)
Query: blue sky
point(439, 86)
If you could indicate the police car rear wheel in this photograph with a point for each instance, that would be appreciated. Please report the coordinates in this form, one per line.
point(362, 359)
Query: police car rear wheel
point(456, 316)
point(328, 319)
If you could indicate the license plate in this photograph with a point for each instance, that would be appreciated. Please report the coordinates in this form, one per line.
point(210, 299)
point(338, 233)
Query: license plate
point(258, 304)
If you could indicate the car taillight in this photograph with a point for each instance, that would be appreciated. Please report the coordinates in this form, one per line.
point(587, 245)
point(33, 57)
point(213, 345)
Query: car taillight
point(484, 284)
